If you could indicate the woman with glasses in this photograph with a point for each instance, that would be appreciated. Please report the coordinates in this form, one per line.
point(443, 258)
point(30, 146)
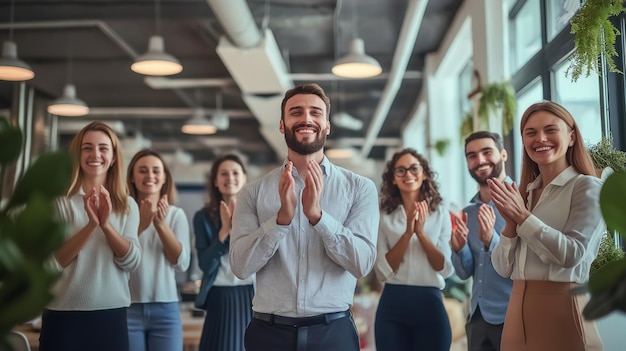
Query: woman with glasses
point(413, 258)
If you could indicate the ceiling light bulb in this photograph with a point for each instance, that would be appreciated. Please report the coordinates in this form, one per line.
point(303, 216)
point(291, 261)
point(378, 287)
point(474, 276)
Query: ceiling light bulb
point(198, 124)
point(356, 64)
point(68, 105)
point(156, 62)
point(12, 68)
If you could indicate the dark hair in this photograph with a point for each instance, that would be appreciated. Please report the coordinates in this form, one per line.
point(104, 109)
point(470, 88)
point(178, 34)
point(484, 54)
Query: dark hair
point(215, 196)
point(483, 134)
point(168, 187)
point(577, 155)
point(305, 89)
point(390, 197)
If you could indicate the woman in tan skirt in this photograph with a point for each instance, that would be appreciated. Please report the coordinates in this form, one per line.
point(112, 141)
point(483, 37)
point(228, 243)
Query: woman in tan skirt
point(552, 234)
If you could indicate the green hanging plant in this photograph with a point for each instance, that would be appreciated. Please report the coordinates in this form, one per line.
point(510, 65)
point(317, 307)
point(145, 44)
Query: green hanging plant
point(607, 285)
point(594, 37)
point(467, 125)
point(498, 96)
point(441, 146)
point(604, 155)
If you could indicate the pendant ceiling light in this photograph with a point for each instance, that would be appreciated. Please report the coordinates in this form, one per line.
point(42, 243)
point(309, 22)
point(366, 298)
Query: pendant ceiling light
point(156, 62)
point(68, 105)
point(12, 68)
point(198, 124)
point(356, 64)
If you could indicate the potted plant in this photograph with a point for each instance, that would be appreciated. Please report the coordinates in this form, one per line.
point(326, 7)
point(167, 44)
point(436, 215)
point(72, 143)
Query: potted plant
point(607, 158)
point(594, 37)
point(494, 98)
point(29, 230)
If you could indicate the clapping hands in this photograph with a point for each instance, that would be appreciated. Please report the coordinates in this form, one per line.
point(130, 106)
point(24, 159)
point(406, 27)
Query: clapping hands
point(148, 213)
point(97, 203)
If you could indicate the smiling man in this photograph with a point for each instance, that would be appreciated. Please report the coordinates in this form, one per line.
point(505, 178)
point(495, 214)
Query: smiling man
point(473, 240)
point(308, 230)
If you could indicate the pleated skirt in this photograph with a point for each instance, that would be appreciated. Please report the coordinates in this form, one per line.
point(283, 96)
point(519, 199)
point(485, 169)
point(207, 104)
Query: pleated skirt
point(543, 315)
point(228, 312)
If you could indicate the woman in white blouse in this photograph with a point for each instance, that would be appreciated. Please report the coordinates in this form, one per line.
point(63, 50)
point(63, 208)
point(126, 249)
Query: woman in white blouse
point(154, 322)
point(92, 294)
point(413, 258)
point(552, 234)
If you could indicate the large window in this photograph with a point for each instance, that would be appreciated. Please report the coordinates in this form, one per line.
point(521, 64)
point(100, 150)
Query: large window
point(529, 95)
point(559, 13)
point(525, 33)
point(582, 100)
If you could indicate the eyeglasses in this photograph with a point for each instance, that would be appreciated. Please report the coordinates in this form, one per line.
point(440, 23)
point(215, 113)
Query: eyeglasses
point(414, 169)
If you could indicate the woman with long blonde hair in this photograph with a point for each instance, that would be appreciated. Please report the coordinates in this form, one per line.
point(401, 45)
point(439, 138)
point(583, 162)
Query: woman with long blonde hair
point(92, 294)
point(552, 234)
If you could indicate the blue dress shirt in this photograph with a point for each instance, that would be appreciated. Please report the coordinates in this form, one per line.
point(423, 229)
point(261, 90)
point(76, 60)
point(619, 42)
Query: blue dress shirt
point(490, 291)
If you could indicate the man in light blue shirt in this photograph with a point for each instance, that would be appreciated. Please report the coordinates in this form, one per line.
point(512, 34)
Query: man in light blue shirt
point(473, 238)
point(308, 229)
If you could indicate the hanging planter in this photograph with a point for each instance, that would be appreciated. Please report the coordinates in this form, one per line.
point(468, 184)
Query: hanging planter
point(495, 98)
point(594, 37)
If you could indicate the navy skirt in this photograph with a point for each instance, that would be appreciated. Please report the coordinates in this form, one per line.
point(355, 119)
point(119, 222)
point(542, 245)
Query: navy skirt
point(101, 330)
point(228, 312)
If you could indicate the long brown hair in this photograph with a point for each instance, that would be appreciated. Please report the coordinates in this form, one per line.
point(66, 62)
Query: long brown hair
point(215, 196)
point(577, 156)
point(390, 197)
point(114, 182)
point(168, 187)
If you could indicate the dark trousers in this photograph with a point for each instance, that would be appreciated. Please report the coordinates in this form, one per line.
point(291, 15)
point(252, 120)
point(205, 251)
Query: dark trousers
point(482, 336)
point(102, 330)
point(337, 335)
point(412, 318)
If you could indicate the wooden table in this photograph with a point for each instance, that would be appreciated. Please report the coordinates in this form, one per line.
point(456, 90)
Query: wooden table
point(192, 330)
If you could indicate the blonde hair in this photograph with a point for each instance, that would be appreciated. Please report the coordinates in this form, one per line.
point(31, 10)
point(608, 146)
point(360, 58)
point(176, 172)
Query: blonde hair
point(114, 182)
point(577, 156)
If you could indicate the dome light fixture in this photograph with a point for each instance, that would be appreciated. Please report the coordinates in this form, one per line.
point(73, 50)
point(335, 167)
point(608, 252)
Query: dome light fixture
point(156, 62)
point(356, 64)
point(68, 105)
point(198, 124)
point(12, 68)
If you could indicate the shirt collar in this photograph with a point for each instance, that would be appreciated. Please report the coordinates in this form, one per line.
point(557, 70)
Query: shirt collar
point(565, 176)
point(476, 199)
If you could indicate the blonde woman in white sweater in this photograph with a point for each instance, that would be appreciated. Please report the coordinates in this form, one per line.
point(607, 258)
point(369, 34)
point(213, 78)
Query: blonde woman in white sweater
point(92, 294)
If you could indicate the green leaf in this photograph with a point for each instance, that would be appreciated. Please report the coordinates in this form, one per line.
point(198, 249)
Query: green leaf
point(612, 198)
point(50, 176)
point(37, 232)
point(10, 257)
point(10, 142)
point(23, 296)
point(606, 276)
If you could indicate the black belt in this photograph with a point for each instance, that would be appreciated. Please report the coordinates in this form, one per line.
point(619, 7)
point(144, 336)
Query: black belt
point(301, 322)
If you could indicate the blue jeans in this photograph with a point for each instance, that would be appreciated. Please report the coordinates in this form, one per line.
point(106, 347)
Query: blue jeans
point(155, 327)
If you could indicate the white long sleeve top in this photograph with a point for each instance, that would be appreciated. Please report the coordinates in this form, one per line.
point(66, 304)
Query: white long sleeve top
point(96, 279)
point(560, 239)
point(154, 280)
point(415, 269)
